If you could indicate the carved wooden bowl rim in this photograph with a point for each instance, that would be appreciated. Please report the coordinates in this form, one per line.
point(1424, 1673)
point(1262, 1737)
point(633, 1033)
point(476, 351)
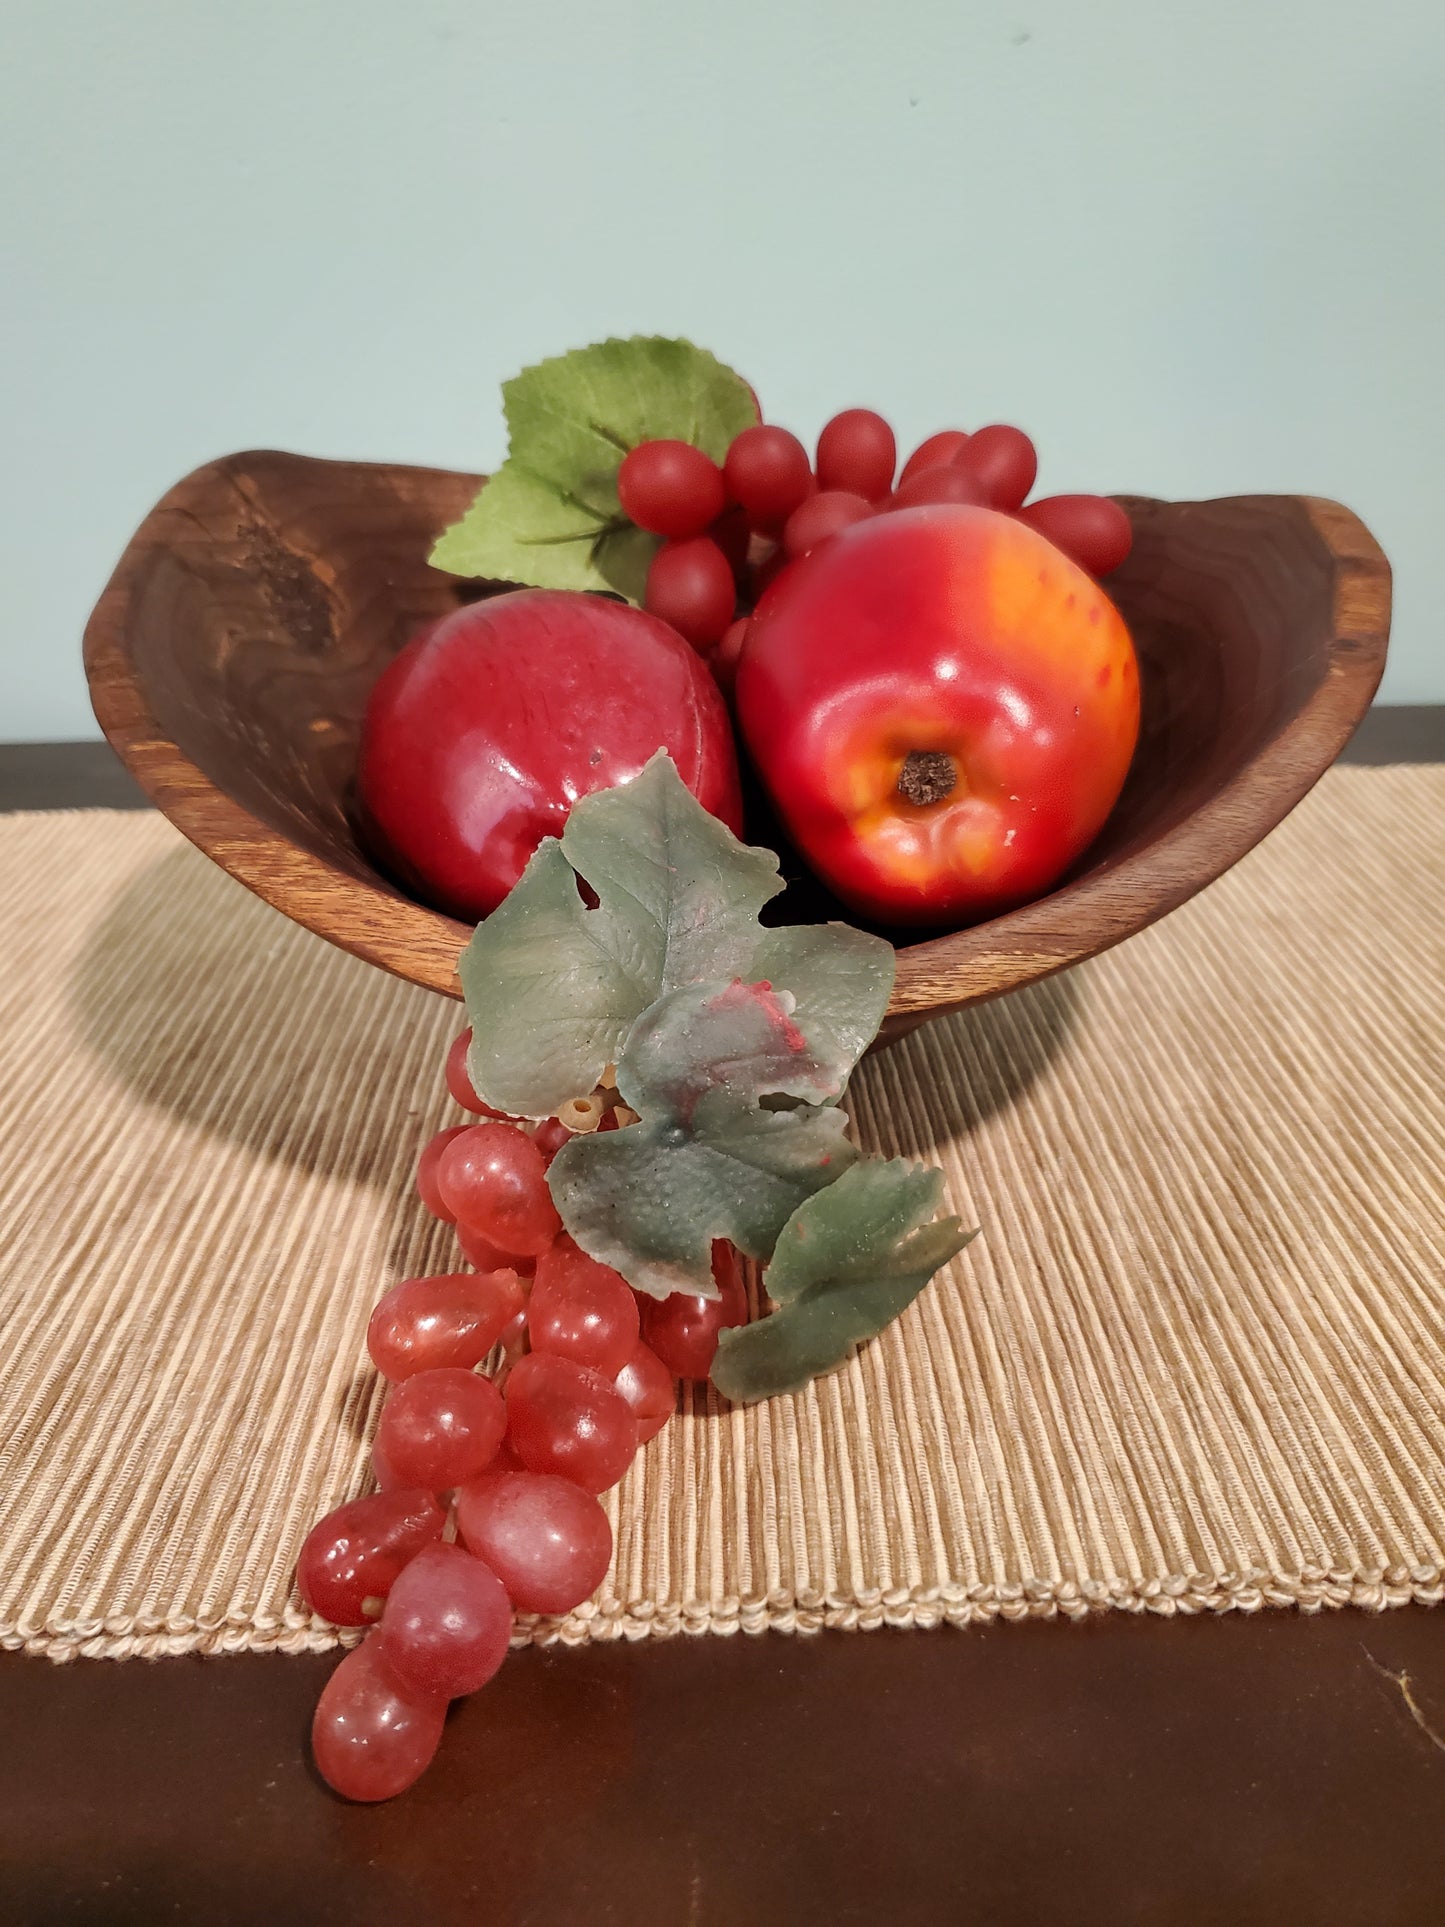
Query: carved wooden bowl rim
point(372, 919)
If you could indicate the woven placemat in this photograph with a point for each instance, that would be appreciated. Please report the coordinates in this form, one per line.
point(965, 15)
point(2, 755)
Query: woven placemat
point(1196, 1359)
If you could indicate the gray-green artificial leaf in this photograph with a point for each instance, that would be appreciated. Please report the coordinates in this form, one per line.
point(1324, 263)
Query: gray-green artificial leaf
point(845, 1265)
point(550, 516)
point(723, 1036)
point(840, 980)
point(553, 988)
point(686, 889)
point(708, 1159)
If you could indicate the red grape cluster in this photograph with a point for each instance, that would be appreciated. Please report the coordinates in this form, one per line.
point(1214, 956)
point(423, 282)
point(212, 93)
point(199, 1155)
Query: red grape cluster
point(487, 1501)
point(729, 531)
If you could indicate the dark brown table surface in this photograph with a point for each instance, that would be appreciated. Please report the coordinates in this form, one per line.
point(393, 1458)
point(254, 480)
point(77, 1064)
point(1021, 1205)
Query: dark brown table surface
point(1279, 1768)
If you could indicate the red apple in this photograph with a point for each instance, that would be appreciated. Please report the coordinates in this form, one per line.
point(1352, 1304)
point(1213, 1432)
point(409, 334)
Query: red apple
point(943, 708)
point(487, 727)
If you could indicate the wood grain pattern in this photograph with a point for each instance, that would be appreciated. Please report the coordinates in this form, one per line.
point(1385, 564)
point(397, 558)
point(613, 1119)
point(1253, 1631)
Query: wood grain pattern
point(230, 656)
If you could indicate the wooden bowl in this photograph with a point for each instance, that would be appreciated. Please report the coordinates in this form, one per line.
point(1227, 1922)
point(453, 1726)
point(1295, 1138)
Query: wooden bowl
point(230, 657)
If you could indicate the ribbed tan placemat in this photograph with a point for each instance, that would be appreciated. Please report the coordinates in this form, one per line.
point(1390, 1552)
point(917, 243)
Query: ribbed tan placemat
point(1195, 1360)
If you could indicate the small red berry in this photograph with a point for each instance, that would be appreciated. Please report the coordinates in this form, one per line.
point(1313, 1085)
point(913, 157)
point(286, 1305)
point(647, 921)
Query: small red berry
point(670, 488)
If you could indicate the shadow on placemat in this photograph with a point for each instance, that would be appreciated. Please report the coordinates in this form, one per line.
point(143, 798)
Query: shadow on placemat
point(248, 1026)
point(1008, 1044)
point(196, 1034)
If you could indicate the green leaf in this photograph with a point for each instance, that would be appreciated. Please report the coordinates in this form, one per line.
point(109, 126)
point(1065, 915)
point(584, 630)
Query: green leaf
point(622, 555)
point(840, 981)
point(514, 514)
point(519, 529)
point(703, 1038)
point(709, 1159)
point(846, 1264)
point(553, 988)
point(573, 417)
point(686, 889)
point(550, 517)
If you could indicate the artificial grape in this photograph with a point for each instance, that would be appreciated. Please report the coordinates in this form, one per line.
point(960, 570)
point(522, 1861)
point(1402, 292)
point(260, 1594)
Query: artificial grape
point(683, 1330)
point(566, 1418)
point(733, 537)
point(442, 1426)
point(486, 1256)
point(505, 1461)
point(581, 1309)
point(387, 1477)
point(670, 488)
point(549, 1137)
point(1005, 462)
point(371, 1738)
point(724, 660)
point(546, 1539)
point(690, 585)
point(768, 474)
point(426, 1173)
point(944, 484)
point(493, 1178)
point(820, 518)
point(1090, 529)
point(936, 452)
point(857, 452)
point(355, 1553)
point(447, 1624)
point(513, 1342)
point(459, 1081)
point(452, 1319)
point(646, 1384)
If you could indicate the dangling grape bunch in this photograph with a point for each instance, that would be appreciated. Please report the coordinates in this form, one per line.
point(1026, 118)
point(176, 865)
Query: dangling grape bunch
point(488, 1480)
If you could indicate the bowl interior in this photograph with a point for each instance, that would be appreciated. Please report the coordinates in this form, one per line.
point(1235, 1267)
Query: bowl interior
point(231, 656)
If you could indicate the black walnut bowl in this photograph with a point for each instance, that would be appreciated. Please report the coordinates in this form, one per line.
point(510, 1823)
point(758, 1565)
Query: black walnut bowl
point(230, 656)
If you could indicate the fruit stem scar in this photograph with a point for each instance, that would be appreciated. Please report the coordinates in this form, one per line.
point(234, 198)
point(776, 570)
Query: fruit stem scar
point(927, 776)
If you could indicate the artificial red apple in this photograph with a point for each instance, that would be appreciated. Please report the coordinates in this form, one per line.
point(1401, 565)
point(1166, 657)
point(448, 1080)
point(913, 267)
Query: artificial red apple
point(486, 728)
point(943, 708)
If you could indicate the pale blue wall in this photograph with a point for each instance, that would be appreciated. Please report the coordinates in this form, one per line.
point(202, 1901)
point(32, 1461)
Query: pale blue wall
point(1194, 249)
